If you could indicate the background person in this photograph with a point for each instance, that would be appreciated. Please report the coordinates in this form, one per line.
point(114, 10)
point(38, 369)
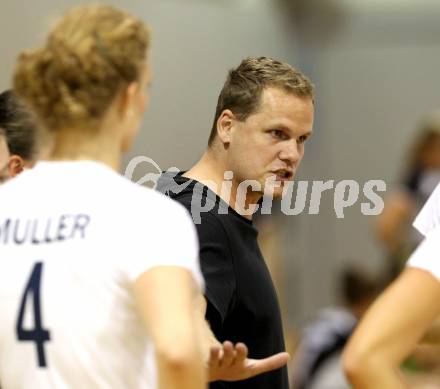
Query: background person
point(19, 130)
point(421, 175)
point(4, 152)
point(317, 361)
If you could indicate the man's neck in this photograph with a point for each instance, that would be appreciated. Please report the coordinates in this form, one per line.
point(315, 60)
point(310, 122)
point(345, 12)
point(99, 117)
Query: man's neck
point(213, 173)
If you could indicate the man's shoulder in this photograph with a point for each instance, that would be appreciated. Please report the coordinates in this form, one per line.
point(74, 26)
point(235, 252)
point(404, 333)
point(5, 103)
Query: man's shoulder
point(183, 198)
point(202, 205)
point(207, 222)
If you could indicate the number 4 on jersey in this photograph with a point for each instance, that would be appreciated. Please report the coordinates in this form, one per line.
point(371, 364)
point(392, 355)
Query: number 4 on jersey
point(38, 334)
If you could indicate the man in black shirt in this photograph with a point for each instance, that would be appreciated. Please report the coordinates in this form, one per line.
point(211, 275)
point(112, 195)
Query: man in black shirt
point(264, 115)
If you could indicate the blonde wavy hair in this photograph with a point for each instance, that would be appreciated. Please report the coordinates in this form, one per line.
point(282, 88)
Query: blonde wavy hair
point(90, 54)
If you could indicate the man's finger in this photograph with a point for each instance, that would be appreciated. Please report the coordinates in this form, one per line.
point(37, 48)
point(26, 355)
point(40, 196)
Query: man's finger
point(214, 356)
point(273, 362)
point(242, 352)
point(228, 354)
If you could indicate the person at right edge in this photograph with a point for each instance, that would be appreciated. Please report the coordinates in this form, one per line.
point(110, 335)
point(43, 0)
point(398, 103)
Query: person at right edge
point(264, 116)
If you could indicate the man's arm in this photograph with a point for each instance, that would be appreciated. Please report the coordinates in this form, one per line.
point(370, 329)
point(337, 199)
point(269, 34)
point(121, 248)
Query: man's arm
point(165, 299)
point(390, 330)
point(229, 362)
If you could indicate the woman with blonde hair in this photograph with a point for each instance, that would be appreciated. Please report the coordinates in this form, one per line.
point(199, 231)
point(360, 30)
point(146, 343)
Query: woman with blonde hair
point(92, 295)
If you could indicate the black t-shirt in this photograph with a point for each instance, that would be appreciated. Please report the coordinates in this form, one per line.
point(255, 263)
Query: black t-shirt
point(242, 302)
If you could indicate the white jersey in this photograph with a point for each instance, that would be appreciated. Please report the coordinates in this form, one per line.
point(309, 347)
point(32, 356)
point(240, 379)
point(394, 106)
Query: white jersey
point(427, 254)
point(73, 238)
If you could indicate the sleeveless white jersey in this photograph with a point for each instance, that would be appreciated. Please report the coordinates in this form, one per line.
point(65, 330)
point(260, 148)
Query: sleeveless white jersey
point(73, 238)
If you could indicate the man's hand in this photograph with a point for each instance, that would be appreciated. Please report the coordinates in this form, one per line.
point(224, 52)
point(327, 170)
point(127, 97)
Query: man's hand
point(230, 363)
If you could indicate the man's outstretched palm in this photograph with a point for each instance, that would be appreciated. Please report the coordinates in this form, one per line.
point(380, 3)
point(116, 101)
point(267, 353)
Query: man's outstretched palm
point(231, 363)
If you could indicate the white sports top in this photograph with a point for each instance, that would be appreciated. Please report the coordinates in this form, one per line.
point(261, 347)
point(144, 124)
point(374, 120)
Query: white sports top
point(73, 238)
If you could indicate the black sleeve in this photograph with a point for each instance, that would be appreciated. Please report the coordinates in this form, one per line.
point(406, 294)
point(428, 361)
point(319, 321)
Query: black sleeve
point(217, 268)
point(216, 264)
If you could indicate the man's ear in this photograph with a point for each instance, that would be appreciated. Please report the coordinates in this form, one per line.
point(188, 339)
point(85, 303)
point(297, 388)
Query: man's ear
point(225, 126)
point(15, 165)
point(127, 98)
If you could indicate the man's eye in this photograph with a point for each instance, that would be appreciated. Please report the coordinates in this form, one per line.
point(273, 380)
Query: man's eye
point(303, 138)
point(278, 134)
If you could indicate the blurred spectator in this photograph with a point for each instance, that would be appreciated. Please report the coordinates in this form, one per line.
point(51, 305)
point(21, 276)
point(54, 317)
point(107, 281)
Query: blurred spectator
point(4, 152)
point(422, 174)
point(317, 363)
point(18, 136)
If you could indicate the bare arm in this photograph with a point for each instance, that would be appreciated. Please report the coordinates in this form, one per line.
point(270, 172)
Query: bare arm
point(390, 330)
point(433, 334)
point(165, 298)
point(209, 341)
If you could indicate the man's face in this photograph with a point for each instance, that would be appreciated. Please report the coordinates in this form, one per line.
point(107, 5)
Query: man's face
point(269, 145)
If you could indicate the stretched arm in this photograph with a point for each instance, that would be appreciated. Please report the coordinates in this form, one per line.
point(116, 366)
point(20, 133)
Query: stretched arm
point(390, 330)
point(165, 298)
